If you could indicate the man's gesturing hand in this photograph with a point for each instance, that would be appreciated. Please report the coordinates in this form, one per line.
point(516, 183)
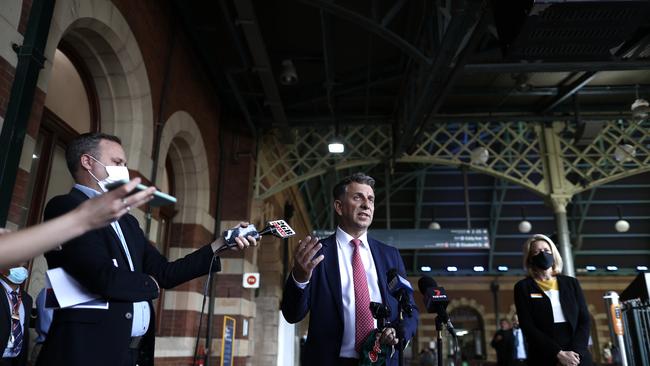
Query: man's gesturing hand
point(304, 261)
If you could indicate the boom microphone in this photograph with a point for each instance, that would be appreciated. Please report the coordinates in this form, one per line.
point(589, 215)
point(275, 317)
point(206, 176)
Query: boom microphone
point(435, 300)
point(277, 228)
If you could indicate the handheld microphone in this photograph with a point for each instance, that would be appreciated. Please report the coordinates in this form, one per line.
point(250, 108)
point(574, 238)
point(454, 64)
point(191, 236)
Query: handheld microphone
point(400, 288)
point(436, 300)
point(380, 312)
point(277, 228)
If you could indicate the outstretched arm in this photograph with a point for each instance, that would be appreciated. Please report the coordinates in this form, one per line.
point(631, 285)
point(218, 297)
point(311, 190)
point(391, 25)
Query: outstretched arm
point(16, 247)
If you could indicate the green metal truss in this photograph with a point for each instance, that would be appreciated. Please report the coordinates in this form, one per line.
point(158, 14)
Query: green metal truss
point(543, 158)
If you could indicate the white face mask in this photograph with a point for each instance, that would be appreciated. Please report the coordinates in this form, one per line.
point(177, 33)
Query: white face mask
point(115, 173)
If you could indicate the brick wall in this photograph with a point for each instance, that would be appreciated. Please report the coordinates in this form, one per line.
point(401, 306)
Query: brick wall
point(151, 23)
point(7, 73)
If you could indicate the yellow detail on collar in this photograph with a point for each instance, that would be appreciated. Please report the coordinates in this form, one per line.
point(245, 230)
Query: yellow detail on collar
point(547, 285)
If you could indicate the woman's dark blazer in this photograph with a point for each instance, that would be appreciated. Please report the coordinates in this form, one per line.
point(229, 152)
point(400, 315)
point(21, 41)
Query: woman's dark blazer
point(536, 320)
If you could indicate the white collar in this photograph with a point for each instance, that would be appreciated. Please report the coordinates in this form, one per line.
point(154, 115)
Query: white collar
point(345, 238)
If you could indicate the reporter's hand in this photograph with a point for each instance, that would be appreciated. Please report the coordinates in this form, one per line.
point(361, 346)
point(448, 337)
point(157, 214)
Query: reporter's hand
point(568, 358)
point(304, 261)
point(389, 336)
point(102, 210)
point(4, 231)
point(242, 243)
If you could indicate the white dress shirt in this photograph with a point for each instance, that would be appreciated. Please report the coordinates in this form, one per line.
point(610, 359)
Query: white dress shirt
point(558, 314)
point(345, 250)
point(519, 344)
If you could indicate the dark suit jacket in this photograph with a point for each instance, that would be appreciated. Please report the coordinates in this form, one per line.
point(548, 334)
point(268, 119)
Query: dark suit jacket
point(536, 320)
point(505, 347)
point(102, 337)
point(322, 298)
point(5, 329)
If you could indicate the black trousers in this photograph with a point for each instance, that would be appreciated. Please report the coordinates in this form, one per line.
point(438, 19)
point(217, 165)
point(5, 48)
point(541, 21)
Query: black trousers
point(348, 361)
point(9, 362)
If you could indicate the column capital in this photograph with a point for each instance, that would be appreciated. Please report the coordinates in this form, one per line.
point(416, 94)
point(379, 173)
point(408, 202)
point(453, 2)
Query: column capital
point(559, 202)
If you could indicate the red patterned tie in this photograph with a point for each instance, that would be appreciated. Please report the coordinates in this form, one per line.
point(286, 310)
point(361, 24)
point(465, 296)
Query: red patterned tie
point(364, 322)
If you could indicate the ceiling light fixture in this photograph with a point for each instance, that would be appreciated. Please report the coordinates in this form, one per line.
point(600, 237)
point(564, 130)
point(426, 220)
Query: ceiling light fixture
point(434, 225)
point(522, 82)
point(336, 147)
point(336, 144)
point(624, 153)
point(289, 76)
point(621, 225)
point(479, 156)
point(502, 268)
point(640, 108)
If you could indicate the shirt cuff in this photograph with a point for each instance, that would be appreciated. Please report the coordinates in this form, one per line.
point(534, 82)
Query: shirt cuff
point(301, 285)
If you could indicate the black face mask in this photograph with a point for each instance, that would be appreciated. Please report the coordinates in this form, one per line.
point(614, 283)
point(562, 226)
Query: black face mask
point(543, 260)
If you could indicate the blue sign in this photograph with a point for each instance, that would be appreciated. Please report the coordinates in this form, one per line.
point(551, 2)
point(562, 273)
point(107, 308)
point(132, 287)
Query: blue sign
point(228, 341)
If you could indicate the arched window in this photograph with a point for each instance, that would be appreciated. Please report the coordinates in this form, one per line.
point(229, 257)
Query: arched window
point(471, 335)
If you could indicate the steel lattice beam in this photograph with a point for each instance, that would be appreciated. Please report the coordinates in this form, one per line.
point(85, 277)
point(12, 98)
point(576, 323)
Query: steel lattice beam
point(514, 153)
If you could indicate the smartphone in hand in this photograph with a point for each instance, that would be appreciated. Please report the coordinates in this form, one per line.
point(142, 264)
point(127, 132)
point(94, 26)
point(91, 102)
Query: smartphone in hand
point(159, 198)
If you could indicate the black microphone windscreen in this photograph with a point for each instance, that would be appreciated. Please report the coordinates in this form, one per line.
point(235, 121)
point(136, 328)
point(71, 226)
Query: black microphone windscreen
point(391, 273)
point(425, 283)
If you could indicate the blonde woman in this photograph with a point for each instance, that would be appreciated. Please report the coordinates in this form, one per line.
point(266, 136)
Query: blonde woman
point(551, 308)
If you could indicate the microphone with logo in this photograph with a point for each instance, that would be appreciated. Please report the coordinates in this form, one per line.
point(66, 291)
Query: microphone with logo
point(277, 228)
point(436, 301)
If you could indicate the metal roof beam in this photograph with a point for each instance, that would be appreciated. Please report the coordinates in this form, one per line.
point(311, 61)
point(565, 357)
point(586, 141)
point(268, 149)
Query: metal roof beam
point(371, 26)
point(568, 91)
point(262, 64)
point(442, 75)
point(517, 67)
point(392, 12)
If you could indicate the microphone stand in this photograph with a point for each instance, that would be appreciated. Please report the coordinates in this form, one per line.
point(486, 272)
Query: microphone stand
point(439, 340)
point(400, 332)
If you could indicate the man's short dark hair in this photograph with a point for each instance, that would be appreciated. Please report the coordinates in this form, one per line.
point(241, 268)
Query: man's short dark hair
point(86, 143)
point(339, 189)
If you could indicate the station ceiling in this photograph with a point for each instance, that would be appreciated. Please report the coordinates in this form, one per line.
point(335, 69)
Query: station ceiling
point(414, 65)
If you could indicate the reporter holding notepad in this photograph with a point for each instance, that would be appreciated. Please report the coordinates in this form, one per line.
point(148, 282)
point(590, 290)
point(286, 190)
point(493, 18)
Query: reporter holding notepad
point(117, 263)
point(551, 308)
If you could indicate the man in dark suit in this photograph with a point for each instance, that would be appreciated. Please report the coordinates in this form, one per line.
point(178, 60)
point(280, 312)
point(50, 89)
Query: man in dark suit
point(16, 307)
point(337, 292)
point(116, 262)
point(503, 342)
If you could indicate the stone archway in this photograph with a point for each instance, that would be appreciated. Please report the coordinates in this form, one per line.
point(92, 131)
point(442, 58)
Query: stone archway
point(101, 36)
point(182, 141)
